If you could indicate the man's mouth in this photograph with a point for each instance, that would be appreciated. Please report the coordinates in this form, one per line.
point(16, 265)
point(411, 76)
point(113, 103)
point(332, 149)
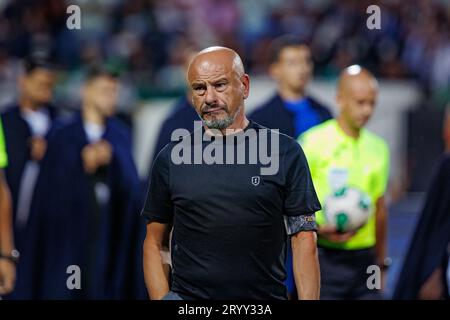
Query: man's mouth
point(365, 119)
point(213, 111)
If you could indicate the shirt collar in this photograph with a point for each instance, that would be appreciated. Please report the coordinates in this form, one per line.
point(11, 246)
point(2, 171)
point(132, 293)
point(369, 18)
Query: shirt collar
point(346, 139)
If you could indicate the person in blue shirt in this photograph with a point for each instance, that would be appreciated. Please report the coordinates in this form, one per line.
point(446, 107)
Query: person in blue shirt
point(290, 110)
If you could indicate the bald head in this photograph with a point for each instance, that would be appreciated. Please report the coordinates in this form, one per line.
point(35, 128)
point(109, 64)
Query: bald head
point(356, 76)
point(226, 57)
point(356, 96)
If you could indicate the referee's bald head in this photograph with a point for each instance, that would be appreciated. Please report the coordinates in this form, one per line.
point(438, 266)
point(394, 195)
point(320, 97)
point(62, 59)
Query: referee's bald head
point(355, 73)
point(356, 95)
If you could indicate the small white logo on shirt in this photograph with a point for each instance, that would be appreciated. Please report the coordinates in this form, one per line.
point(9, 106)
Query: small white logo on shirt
point(255, 180)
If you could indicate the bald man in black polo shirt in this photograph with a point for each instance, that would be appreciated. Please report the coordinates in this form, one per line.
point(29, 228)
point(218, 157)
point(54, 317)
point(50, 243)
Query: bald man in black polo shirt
point(233, 191)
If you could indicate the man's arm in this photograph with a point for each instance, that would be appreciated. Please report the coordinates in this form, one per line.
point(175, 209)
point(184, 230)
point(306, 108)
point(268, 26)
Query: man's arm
point(156, 266)
point(7, 267)
point(381, 234)
point(306, 265)
point(381, 230)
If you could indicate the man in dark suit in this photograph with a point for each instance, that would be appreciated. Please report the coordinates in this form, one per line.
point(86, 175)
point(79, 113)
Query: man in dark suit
point(290, 110)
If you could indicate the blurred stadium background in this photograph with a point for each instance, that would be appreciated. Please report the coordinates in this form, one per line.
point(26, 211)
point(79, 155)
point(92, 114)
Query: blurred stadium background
point(145, 40)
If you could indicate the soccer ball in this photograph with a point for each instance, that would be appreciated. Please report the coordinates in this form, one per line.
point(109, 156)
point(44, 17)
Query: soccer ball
point(347, 209)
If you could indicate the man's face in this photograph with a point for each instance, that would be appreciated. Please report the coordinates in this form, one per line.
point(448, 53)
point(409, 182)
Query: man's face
point(218, 91)
point(38, 85)
point(357, 101)
point(102, 93)
point(293, 68)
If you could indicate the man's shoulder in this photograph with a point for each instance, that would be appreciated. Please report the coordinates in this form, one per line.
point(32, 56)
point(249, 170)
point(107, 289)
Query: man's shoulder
point(289, 148)
point(62, 134)
point(323, 131)
point(284, 140)
point(318, 105)
point(182, 136)
point(9, 112)
point(267, 107)
point(376, 143)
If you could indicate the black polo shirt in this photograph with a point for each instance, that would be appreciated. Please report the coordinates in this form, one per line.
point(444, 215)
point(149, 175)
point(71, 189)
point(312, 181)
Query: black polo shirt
point(230, 222)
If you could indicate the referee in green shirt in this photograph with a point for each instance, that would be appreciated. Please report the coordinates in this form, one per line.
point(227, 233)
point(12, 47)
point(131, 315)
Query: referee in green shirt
point(341, 153)
point(8, 256)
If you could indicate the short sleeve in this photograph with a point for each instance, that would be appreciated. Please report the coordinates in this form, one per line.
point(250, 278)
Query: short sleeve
point(301, 198)
point(3, 155)
point(158, 205)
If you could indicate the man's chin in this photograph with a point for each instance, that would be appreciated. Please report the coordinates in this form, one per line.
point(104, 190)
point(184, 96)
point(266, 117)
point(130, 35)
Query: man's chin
point(218, 123)
point(362, 123)
point(299, 86)
point(216, 116)
point(109, 114)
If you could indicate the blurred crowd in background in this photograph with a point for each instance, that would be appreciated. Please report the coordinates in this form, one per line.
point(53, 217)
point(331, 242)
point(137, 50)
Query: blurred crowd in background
point(145, 40)
point(147, 43)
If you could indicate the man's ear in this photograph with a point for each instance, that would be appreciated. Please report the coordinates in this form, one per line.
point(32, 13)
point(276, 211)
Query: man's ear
point(246, 83)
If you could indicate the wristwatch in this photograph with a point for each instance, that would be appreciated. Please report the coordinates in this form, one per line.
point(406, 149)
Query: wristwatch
point(13, 256)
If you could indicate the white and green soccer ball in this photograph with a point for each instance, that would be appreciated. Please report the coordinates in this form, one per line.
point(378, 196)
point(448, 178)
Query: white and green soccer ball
point(347, 209)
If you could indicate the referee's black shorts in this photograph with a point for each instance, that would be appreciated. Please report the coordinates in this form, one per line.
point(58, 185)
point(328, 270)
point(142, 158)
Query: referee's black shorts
point(344, 274)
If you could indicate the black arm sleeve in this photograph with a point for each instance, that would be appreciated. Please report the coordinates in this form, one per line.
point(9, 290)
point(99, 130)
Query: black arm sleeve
point(304, 222)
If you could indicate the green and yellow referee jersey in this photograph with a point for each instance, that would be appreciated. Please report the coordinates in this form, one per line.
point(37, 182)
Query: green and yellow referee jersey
point(337, 160)
point(3, 156)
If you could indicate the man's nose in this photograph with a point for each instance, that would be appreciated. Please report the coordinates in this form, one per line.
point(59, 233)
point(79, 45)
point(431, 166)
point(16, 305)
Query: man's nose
point(210, 95)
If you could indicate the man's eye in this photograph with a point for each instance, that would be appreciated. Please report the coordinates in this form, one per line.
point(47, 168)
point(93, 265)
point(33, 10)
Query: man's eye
point(199, 90)
point(221, 86)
